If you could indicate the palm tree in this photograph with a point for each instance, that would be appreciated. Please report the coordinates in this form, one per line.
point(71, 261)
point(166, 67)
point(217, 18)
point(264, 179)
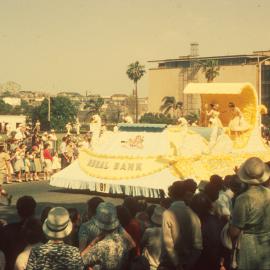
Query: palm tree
point(210, 69)
point(135, 71)
point(170, 104)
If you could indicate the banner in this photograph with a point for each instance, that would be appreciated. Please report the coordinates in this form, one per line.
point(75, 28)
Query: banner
point(119, 167)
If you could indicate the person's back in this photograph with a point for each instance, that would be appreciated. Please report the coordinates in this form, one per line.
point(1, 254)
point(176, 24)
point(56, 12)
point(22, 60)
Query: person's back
point(110, 253)
point(13, 240)
point(251, 216)
point(181, 234)
point(253, 210)
point(54, 256)
point(152, 248)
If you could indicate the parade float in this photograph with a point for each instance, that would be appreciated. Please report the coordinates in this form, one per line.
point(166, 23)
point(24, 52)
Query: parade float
point(143, 159)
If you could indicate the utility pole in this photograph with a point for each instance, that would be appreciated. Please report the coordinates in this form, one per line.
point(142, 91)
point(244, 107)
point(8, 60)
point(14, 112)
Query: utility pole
point(49, 109)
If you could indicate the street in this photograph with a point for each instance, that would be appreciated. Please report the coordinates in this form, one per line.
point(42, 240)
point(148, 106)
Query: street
point(46, 195)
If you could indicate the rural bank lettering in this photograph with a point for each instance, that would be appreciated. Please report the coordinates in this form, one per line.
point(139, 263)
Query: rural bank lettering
point(114, 165)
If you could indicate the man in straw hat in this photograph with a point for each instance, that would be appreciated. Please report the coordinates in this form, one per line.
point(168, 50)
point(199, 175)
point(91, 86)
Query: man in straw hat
point(55, 254)
point(111, 248)
point(251, 216)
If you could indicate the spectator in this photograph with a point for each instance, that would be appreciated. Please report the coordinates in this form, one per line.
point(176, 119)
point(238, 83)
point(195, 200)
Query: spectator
point(4, 170)
point(181, 232)
point(2, 260)
point(44, 213)
point(63, 153)
point(190, 187)
point(210, 257)
point(88, 230)
point(13, 239)
point(151, 241)
point(33, 235)
point(111, 248)
point(55, 254)
point(251, 216)
point(133, 228)
point(47, 162)
point(75, 218)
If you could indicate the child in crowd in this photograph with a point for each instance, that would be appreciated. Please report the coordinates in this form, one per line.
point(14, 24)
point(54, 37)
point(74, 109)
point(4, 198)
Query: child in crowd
point(56, 164)
point(27, 167)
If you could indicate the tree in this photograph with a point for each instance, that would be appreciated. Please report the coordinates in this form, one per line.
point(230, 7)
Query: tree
point(114, 113)
point(135, 71)
point(158, 118)
point(62, 112)
point(94, 105)
point(211, 69)
point(131, 106)
point(170, 104)
point(5, 108)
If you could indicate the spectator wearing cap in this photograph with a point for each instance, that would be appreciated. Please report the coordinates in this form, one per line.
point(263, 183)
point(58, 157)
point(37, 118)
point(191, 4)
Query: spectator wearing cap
point(181, 232)
point(151, 240)
point(55, 254)
point(251, 216)
point(111, 248)
point(13, 239)
point(88, 230)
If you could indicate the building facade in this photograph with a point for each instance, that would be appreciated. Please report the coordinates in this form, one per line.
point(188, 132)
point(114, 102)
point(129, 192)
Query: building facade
point(169, 77)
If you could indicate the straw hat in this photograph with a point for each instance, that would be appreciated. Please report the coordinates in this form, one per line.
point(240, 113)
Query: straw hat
point(106, 217)
point(58, 224)
point(157, 215)
point(254, 171)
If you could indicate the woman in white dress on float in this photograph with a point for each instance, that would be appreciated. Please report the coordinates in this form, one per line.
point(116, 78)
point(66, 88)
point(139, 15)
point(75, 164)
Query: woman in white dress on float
point(238, 124)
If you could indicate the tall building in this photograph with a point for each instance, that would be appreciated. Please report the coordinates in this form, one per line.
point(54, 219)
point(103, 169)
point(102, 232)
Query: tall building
point(169, 77)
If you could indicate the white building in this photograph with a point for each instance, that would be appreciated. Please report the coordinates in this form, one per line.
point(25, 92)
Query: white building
point(13, 101)
point(12, 120)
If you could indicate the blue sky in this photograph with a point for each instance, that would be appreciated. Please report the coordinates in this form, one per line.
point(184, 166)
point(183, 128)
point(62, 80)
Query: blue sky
point(79, 45)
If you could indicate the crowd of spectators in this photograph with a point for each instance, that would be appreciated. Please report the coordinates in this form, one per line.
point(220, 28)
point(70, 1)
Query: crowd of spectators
point(29, 155)
point(219, 224)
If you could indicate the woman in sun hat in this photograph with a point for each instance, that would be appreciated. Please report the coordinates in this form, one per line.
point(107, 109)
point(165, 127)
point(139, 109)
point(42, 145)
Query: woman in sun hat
point(151, 241)
point(55, 254)
point(251, 216)
point(111, 248)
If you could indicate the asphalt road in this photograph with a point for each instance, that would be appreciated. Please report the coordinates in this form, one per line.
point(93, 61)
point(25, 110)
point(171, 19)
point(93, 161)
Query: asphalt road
point(46, 195)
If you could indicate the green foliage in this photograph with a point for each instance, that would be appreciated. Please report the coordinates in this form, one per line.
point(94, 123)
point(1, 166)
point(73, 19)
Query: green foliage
point(131, 105)
point(158, 118)
point(62, 112)
point(135, 71)
point(170, 104)
point(113, 113)
point(5, 108)
point(192, 117)
point(210, 69)
point(94, 105)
